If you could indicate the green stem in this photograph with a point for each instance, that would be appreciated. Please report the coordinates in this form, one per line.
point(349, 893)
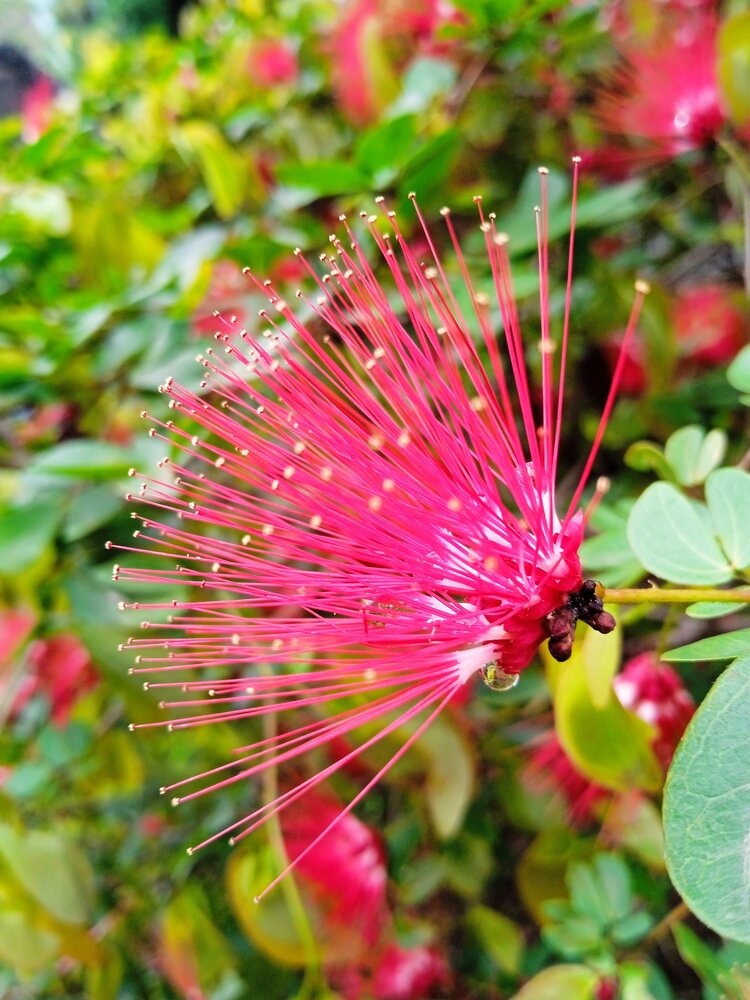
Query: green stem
point(676, 595)
point(312, 981)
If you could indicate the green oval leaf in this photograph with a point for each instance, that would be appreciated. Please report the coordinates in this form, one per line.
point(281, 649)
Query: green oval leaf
point(717, 647)
point(25, 533)
point(449, 783)
point(712, 609)
point(499, 936)
point(738, 373)
point(728, 499)
point(84, 459)
point(646, 456)
point(672, 540)
point(693, 454)
point(706, 808)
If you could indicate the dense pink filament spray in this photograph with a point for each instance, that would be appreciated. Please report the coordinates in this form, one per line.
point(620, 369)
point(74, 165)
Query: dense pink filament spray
point(365, 517)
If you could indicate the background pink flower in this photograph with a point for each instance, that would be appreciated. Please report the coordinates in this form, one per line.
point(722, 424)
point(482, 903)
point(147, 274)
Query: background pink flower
point(344, 874)
point(655, 693)
point(711, 327)
point(271, 62)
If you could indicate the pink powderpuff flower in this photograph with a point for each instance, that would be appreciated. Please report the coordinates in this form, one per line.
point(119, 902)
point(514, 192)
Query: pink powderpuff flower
point(373, 40)
point(409, 973)
point(634, 380)
point(550, 770)
point(345, 875)
point(398, 973)
point(710, 326)
point(36, 111)
point(16, 625)
point(665, 93)
point(226, 286)
point(272, 63)
point(60, 667)
point(656, 694)
point(364, 510)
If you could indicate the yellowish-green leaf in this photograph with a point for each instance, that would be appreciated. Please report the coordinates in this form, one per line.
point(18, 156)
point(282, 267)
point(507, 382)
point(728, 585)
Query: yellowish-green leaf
point(450, 776)
point(51, 870)
point(734, 66)
point(269, 926)
point(499, 936)
point(601, 657)
point(541, 871)
point(23, 946)
point(605, 742)
point(224, 172)
point(573, 982)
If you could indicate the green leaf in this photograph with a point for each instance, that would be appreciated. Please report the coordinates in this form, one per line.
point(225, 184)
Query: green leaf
point(631, 929)
point(574, 938)
point(608, 555)
point(89, 510)
point(614, 879)
point(728, 500)
point(701, 959)
point(734, 66)
point(646, 456)
point(542, 869)
point(671, 538)
point(225, 173)
point(25, 533)
point(716, 647)
point(428, 169)
point(706, 808)
point(712, 609)
point(587, 894)
point(387, 145)
point(54, 872)
point(23, 946)
point(738, 373)
point(605, 742)
point(425, 79)
point(633, 823)
point(693, 454)
point(323, 179)
point(574, 982)
point(449, 786)
point(270, 927)
point(499, 936)
point(84, 459)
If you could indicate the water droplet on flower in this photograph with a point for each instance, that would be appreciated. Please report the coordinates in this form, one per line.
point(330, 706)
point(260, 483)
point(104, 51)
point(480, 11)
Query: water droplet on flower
point(496, 678)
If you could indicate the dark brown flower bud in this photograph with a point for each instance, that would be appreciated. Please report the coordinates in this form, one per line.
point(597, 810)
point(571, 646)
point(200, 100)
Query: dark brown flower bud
point(561, 646)
point(603, 622)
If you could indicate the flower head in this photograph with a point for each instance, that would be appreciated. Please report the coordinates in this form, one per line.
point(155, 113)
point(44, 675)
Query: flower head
point(710, 326)
point(373, 40)
point(665, 93)
point(271, 62)
point(363, 510)
point(345, 874)
point(550, 770)
point(655, 693)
